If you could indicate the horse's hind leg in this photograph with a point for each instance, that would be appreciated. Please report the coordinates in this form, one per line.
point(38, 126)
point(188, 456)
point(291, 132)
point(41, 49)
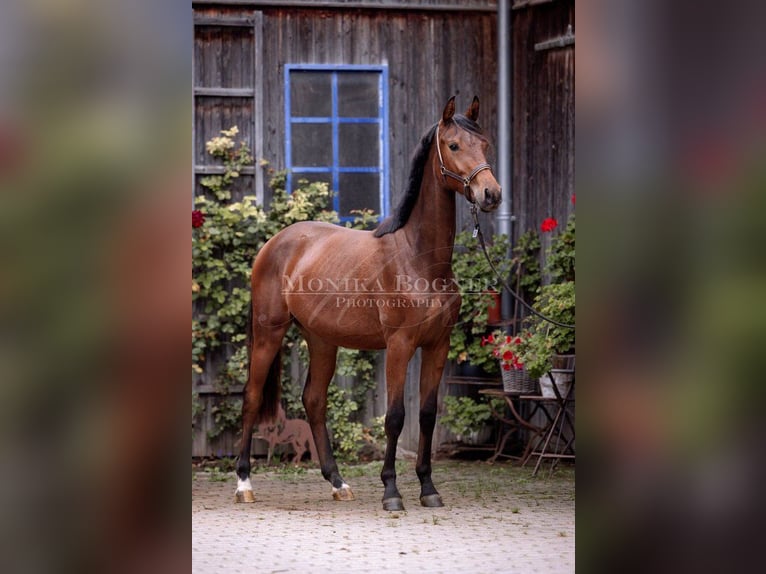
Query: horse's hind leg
point(264, 370)
point(322, 358)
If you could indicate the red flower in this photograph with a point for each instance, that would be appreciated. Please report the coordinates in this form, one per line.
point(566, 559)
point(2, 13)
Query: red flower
point(198, 218)
point(573, 198)
point(488, 339)
point(507, 356)
point(506, 367)
point(548, 224)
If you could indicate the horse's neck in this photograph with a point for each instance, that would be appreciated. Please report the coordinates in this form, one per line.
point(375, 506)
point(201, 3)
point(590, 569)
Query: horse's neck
point(431, 227)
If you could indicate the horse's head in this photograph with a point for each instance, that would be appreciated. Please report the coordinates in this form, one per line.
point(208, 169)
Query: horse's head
point(462, 152)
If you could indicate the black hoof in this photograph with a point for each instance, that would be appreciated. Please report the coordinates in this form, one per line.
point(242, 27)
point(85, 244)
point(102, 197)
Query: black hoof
point(431, 501)
point(392, 504)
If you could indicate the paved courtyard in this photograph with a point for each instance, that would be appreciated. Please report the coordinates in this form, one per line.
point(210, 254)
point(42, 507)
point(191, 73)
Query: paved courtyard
point(496, 518)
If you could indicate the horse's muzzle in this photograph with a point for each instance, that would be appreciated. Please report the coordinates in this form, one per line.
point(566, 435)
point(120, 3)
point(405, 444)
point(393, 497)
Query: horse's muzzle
point(489, 198)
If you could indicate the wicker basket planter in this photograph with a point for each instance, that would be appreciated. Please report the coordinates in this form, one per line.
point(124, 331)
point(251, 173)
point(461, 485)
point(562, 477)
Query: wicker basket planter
point(518, 381)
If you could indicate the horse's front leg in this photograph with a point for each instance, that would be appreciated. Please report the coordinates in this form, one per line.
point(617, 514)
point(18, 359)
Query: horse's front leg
point(397, 358)
point(430, 375)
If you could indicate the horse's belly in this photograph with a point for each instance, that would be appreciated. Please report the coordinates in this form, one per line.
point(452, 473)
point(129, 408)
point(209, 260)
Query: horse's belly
point(337, 318)
point(365, 320)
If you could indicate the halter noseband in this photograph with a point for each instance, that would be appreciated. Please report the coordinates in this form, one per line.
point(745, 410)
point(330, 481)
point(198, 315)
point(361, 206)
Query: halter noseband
point(466, 181)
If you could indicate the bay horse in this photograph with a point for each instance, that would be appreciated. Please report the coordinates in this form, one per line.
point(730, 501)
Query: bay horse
point(390, 288)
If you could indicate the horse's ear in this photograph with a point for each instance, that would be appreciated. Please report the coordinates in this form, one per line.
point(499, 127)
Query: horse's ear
point(472, 113)
point(449, 110)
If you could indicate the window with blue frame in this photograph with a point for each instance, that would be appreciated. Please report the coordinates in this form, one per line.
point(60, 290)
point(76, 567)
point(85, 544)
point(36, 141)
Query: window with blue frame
point(337, 131)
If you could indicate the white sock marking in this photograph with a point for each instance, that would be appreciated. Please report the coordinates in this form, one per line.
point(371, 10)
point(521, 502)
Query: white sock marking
point(243, 485)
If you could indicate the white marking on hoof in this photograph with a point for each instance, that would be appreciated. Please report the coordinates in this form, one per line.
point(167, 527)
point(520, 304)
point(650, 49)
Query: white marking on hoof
point(342, 493)
point(343, 486)
point(243, 485)
point(244, 491)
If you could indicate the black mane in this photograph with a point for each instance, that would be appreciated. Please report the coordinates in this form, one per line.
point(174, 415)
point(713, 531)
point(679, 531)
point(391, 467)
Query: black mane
point(402, 212)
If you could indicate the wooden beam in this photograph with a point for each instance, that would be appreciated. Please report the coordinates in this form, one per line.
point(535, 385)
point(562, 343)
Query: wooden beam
point(488, 6)
point(521, 4)
point(219, 169)
point(257, 147)
point(221, 21)
point(562, 41)
point(225, 92)
point(234, 390)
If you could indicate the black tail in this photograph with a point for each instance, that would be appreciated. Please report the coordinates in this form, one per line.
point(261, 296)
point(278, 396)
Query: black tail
point(272, 387)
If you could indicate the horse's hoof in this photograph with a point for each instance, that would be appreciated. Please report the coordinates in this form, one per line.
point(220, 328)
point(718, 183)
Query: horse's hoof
point(343, 493)
point(244, 496)
point(431, 501)
point(392, 504)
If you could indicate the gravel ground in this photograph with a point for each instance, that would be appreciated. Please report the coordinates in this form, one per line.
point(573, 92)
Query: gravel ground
point(496, 518)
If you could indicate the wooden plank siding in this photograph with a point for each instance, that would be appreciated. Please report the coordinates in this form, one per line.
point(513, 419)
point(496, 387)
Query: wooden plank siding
point(543, 112)
point(433, 49)
point(420, 80)
point(431, 55)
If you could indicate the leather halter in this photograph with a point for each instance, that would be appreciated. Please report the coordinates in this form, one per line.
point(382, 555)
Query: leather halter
point(466, 181)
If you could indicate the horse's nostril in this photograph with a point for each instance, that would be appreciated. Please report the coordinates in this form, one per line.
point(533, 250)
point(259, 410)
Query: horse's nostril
point(490, 199)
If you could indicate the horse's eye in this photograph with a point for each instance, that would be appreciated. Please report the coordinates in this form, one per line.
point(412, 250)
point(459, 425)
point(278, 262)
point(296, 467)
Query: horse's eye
point(454, 147)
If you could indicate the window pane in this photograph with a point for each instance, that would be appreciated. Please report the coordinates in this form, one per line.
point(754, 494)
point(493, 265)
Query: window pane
point(310, 94)
point(311, 145)
point(358, 94)
point(359, 191)
point(358, 145)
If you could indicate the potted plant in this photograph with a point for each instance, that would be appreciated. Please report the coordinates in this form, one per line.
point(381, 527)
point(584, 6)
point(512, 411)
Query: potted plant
point(507, 350)
point(467, 419)
point(478, 286)
point(541, 341)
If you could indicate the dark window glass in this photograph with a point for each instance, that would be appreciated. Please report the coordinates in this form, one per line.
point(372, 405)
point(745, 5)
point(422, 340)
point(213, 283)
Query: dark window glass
point(359, 145)
point(311, 145)
point(310, 94)
point(358, 95)
point(358, 191)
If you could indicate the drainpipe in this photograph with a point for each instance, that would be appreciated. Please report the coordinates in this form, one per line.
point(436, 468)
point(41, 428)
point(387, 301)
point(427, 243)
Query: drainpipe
point(504, 159)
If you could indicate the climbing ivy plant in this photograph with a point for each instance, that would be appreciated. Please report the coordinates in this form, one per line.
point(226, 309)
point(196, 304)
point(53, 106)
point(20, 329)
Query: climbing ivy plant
point(226, 236)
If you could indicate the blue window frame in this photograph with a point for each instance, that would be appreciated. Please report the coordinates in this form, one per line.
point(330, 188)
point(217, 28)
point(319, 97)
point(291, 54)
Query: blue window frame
point(336, 130)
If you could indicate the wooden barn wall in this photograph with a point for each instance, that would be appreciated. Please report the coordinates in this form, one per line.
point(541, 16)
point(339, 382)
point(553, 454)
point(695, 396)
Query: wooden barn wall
point(431, 55)
point(543, 116)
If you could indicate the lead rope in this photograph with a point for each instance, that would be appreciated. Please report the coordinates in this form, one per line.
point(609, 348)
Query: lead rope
point(477, 233)
point(466, 181)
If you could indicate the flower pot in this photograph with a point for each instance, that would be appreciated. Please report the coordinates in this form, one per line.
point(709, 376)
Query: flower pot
point(475, 437)
point(563, 361)
point(563, 382)
point(517, 381)
point(494, 310)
